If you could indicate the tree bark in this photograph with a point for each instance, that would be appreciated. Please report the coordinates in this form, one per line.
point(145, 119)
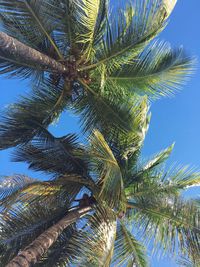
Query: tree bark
point(14, 49)
point(33, 252)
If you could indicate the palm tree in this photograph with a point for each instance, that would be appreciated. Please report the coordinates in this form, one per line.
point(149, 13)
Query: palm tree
point(137, 201)
point(82, 58)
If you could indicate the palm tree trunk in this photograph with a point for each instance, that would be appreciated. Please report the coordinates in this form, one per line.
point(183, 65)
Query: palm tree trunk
point(33, 252)
point(13, 48)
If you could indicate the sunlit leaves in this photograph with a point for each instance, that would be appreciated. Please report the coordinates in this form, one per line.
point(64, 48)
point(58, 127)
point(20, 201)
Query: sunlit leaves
point(168, 5)
point(92, 21)
point(127, 249)
point(127, 36)
point(109, 174)
point(171, 222)
point(158, 71)
point(158, 159)
point(113, 68)
point(126, 144)
point(160, 181)
point(103, 108)
point(11, 184)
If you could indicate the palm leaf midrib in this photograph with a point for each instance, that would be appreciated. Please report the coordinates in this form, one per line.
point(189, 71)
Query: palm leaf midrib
point(43, 29)
point(162, 214)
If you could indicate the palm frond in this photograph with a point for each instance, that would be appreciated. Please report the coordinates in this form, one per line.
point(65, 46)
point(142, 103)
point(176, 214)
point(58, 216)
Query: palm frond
point(184, 177)
point(64, 187)
point(34, 14)
point(98, 236)
point(168, 6)
point(96, 231)
point(194, 261)
point(29, 211)
point(92, 23)
point(109, 174)
point(172, 223)
point(158, 158)
point(125, 145)
point(161, 182)
point(28, 21)
point(19, 193)
point(127, 36)
point(127, 249)
point(122, 117)
point(19, 233)
point(31, 115)
point(138, 171)
point(158, 71)
point(101, 109)
point(24, 194)
point(56, 156)
point(10, 184)
point(66, 16)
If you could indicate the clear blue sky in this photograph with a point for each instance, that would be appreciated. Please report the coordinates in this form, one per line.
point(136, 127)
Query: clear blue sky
point(173, 119)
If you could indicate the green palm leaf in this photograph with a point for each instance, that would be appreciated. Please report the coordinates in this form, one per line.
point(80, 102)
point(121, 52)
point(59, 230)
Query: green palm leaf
point(23, 196)
point(32, 114)
point(56, 156)
point(158, 159)
point(157, 71)
point(168, 6)
point(11, 184)
point(141, 171)
point(98, 235)
point(127, 144)
point(161, 182)
point(171, 222)
point(92, 21)
point(28, 21)
point(102, 109)
point(127, 36)
point(110, 178)
point(127, 249)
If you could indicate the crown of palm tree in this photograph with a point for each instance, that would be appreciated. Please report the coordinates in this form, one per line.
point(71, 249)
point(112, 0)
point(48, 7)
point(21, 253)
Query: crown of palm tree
point(84, 58)
point(137, 201)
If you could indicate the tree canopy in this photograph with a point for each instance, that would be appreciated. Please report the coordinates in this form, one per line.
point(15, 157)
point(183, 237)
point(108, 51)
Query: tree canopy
point(106, 67)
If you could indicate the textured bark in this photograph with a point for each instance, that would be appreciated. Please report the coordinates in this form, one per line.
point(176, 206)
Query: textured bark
point(14, 49)
point(33, 252)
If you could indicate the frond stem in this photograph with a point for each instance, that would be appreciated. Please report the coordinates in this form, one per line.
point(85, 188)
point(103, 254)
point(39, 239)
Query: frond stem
point(105, 104)
point(181, 222)
point(43, 29)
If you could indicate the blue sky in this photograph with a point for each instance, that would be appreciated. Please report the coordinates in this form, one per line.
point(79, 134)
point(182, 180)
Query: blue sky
point(173, 119)
point(177, 119)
